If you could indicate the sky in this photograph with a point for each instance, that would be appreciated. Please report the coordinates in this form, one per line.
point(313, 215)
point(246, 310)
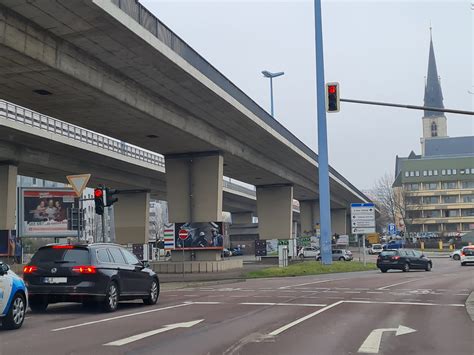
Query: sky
point(376, 50)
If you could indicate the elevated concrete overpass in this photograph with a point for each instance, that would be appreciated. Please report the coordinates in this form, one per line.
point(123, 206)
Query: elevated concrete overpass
point(111, 66)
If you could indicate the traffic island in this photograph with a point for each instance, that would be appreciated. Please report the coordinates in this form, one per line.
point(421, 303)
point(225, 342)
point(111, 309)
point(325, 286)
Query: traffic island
point(176, 267)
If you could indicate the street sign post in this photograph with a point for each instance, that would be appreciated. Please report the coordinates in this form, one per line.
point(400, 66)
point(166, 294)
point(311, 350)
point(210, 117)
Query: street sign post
point(392, 230)
point(183, 235)
point(363, 221)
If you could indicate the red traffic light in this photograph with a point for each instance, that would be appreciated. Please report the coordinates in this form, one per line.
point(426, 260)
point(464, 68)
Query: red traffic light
point(98, 193)
point(332, 89)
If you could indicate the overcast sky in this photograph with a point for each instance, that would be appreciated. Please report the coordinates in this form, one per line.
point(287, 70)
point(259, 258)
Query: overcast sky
point(376, 50)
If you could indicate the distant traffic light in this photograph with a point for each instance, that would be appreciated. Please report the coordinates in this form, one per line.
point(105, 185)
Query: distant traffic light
point(99, 200)
point(109, 196)
point(332, 97)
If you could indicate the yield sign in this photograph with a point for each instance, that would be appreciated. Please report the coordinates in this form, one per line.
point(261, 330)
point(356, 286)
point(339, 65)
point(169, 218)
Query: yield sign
point(78, 182)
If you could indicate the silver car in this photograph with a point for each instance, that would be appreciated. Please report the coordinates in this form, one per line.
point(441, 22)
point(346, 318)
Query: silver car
point(338, 255)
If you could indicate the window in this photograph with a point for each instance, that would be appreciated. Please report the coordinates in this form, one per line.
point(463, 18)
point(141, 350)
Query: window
point(130, 258)
point(425, 173)
point(430, 172)
point(450, 199)
point(435, 172)
point(472, 170)
point(412, 187)
point(448, 172)
point(450, 185)
point(443, 172)
point(413, 214)
point(72, 257)
point(417, 173)
point(428, 200)
point(467, 226)
point(468, 198)
point(467, 213)
point(451, 213)
point(432, 214)
point(454, 171)
point(34, 181)
point(468, 184)
point(451, 227)
point(407, 174)
point(467, 171)
point(412, 173)
point(413, 200)
point(461, 171)
point(433, 227)
point(117, 255)
point(434, 129)
point(417, 253)
point(431, 186)
point(103, 256)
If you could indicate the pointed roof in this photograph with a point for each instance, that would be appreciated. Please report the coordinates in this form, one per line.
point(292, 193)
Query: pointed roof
point(433, 94)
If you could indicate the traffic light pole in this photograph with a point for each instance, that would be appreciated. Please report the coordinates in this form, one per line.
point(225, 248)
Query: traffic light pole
point(323, 165)
point(411, 107)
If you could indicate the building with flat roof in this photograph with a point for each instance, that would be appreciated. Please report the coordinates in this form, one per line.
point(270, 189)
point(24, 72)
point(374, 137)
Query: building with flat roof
point(437, 187)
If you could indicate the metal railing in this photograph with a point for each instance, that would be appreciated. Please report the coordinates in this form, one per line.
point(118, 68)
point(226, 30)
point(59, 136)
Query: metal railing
point(239, 188)
point(32, 118)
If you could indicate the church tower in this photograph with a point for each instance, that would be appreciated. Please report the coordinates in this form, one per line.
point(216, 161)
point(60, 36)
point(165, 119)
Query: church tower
point(434, 123)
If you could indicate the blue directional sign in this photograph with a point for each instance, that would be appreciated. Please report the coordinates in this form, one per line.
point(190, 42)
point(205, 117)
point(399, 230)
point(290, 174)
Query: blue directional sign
point(392, 229)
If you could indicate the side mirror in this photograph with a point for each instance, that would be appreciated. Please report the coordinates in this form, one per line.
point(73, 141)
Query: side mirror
point(3, 269)
point(145, 263)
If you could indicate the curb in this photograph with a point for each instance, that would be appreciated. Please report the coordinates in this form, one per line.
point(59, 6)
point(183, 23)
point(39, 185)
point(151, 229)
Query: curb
point(470, 306)
point(174, 285)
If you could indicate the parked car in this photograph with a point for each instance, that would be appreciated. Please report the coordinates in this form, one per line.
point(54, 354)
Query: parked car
point(467, 255)
point(308, 252)
point(456, 255)
point(393, 244)
point(101, 273)
point(236, 252)
point(375, 249)
point(13, 298)
point(226, 253)
point(338, 255)
point(403, 259)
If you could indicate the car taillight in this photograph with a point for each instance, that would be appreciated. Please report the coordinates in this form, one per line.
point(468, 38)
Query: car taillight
point(462, 254)
point(66, 246)
point(379, 257)
point(395, 257)
point(84, 269)
point(28, 269)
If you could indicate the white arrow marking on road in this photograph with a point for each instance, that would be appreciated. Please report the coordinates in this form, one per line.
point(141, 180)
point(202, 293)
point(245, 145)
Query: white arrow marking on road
point(153, 332)
point(371, 345)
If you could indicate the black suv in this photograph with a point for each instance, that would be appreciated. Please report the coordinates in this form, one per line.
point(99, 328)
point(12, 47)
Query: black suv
point(403, 259)
point(92, 273)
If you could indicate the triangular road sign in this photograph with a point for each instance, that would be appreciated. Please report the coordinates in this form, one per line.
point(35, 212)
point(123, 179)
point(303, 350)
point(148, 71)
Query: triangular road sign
point(78, 182)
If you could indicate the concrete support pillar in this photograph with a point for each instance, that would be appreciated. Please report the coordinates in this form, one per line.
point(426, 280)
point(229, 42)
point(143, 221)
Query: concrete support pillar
point(275, 211)
point(309, 215)
point(194, 187)
point(242, 217)
point(339, 221)
point(131, 215)
point(8, 175)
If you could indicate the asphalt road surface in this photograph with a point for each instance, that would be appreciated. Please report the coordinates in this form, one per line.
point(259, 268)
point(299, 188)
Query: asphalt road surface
point(354, 313)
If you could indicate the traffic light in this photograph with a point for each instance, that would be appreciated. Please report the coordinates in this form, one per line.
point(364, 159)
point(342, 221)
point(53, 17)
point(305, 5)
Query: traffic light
point(332, 97)
point(99, 200)
point(109, 196)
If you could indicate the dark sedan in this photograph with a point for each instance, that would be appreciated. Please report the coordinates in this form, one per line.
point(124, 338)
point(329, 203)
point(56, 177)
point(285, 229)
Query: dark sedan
point(94, 273)
point(403, 259)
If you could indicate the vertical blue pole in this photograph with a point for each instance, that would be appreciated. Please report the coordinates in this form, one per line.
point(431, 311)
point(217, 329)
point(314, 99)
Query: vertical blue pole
point(324, 200)
point(271, 95)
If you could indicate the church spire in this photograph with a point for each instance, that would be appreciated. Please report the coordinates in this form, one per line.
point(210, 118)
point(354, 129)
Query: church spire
point(433, 94)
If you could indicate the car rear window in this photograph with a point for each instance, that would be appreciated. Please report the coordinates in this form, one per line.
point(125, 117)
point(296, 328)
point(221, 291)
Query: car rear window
point(74, 256)
point(388, 253)
point(377, 246)
point(468, 251)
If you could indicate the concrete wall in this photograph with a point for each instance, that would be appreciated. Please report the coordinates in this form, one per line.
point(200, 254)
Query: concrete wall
point(132, 218)
point(275, 211)
point(309, 215)
point(339, 221)
point(194, 188)
point(8, 174)
point(242, 217)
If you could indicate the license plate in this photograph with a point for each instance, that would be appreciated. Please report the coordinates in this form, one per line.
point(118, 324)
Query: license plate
point(55, 280)
point(385, 261)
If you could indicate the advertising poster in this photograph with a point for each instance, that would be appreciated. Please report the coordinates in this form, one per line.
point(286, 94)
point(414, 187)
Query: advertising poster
point(200, 235)
point(45, 212)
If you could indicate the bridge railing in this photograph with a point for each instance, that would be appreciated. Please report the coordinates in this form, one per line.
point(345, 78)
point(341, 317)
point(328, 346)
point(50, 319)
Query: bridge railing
point(32, 118)
point(239, 188)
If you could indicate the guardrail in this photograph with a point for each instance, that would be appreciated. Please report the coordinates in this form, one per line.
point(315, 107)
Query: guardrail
point(35, 119)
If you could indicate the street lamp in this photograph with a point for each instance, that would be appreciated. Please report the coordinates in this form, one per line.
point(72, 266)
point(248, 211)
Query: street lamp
point(270, 75)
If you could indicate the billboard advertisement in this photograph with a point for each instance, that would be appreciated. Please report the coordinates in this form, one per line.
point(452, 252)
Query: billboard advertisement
point(44, 212)
point(200, 235)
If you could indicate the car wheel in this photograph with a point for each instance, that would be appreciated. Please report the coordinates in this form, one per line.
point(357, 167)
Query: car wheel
point(111, 297)
point(301, 256)
point(456, 257)
point(342, 259)
point(16, 315)
point(406, 267)
point(318, 258)
point(463, 264)
point(383, 270)
point(38, 303)
point(154, 293)
point(428, 267)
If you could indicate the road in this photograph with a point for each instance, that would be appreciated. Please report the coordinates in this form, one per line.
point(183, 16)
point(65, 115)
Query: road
point(326, 314)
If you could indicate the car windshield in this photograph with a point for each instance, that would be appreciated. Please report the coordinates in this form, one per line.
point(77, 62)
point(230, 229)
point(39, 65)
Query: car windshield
point(388, 253)
point(66, 256)
point(377, 246)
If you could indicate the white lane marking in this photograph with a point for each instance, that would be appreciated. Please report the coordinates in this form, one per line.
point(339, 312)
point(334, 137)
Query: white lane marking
point(360, 298)
point(399, 283)
point(352, 292)
point(150, 333)
point(120, 317)
point(371, 345)
point(461, 294)
point(311, 283)
point(198, 302)
point(407, 303)
point(374, 292)
point(302, 319)
point(282, 304)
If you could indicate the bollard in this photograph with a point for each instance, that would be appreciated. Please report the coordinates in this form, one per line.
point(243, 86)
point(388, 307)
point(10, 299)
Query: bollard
point(440, 245)
point(422, 245)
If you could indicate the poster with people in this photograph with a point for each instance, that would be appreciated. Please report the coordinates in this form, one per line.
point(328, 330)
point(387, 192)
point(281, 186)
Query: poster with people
point(44, 212)
point(200, 235)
